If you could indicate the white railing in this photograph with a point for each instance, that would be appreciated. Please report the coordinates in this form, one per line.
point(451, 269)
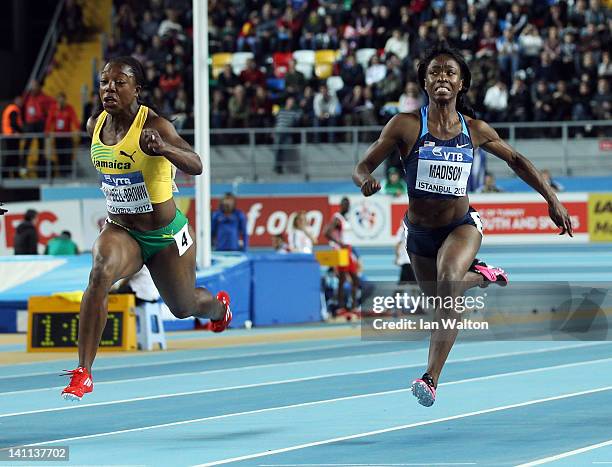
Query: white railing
point(254, 153)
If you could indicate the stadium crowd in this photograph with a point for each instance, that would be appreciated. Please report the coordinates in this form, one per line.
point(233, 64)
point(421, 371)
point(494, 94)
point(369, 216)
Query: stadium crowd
point(530, 60)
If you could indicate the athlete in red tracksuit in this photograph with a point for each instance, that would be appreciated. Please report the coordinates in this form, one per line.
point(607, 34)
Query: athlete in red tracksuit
point(62, 121)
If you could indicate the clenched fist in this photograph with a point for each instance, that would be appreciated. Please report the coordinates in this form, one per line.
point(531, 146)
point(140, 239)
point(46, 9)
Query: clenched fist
point(370, 186)
point(153, 142)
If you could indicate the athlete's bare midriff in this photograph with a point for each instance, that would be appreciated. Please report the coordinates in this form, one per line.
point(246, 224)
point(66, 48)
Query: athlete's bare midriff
point(431, 212)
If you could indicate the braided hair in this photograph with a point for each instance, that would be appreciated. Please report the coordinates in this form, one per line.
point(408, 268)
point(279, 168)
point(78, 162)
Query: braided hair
point(463, 105)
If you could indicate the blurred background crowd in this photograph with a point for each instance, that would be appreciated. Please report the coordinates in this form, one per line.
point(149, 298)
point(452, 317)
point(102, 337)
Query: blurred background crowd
point(347, 62)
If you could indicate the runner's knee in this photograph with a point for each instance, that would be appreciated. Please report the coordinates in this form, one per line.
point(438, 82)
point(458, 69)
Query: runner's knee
point(103, 273)
point(181, 309)
point(449, 275)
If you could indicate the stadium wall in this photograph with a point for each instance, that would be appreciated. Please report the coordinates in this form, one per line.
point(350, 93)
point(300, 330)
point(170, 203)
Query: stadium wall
point(511, 185)
point(508, 218)
point(260, 286)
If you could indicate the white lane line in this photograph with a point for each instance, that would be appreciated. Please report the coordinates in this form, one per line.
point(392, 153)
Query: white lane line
point(345, 341)
point(214, 417)
point(526, 372)
point(221, 370)
point(563, 455)
point(402, 427)
point(202, 391)
point(311, 378)
point(201, 358)
point(324, 401)
point(270, 365)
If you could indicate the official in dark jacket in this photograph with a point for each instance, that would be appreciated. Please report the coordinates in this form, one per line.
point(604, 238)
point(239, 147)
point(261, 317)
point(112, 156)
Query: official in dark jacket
point(26, 236)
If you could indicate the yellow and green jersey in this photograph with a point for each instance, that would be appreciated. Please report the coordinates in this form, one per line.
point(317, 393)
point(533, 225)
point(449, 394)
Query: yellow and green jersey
point(131, 180)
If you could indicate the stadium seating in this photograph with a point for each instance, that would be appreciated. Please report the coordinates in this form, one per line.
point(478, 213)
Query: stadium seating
point(239, 61)
point(219, 60)
point(306, 57)
point(305, 61)
point(323, 70)
point(325, 57)
point(280, 61)
point(363, 56)
point(276, 41)
point(306, 69)
point(334, 84)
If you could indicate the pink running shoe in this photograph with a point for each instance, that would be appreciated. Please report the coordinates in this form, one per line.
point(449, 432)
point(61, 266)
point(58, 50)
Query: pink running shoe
point(424, 390)
point(490, 273)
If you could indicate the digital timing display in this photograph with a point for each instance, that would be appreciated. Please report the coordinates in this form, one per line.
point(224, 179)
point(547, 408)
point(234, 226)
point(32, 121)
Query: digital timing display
point(52, 330)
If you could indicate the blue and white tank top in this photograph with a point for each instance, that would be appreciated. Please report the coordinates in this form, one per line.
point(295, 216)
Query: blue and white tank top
point(436, 168)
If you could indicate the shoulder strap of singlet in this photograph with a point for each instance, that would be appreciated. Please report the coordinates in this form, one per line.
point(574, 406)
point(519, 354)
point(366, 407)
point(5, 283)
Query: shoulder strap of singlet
point(464, 128)
point(424, 113)
point(141, 118)
point(98, 126)
point(424, 129)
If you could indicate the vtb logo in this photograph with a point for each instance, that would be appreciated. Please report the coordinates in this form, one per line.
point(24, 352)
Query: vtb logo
point(448, 155)
point(111, 180)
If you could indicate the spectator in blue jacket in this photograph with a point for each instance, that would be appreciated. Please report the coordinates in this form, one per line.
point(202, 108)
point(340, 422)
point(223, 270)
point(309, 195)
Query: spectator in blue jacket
point(229, 226)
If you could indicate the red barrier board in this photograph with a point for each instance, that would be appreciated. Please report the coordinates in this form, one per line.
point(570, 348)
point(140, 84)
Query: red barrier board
point(269, 216)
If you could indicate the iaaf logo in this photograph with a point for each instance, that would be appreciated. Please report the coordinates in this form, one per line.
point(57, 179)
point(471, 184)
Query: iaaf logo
point(367, 219)
point(280, 221)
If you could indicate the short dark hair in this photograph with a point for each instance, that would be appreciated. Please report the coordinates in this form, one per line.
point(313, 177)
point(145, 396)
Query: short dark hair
point(66, 233)
point(30, 214)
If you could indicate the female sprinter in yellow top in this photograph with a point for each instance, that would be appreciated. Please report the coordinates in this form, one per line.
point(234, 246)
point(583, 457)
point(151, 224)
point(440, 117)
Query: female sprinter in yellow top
point(444, 232)
point(134, 151)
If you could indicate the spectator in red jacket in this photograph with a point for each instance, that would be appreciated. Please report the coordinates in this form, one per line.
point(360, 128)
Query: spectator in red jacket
point(170, 81)
point(261, 108)
point(36, 109)
point(252, 76)
point(247, 35)
point(61, 122)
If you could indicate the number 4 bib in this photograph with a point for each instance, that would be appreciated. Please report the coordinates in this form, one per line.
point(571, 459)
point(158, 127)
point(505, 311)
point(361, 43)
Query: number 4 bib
point(183, 240)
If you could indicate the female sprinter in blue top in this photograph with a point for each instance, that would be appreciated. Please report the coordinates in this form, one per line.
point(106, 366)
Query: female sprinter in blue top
point(444, 232)
point(134, 151)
